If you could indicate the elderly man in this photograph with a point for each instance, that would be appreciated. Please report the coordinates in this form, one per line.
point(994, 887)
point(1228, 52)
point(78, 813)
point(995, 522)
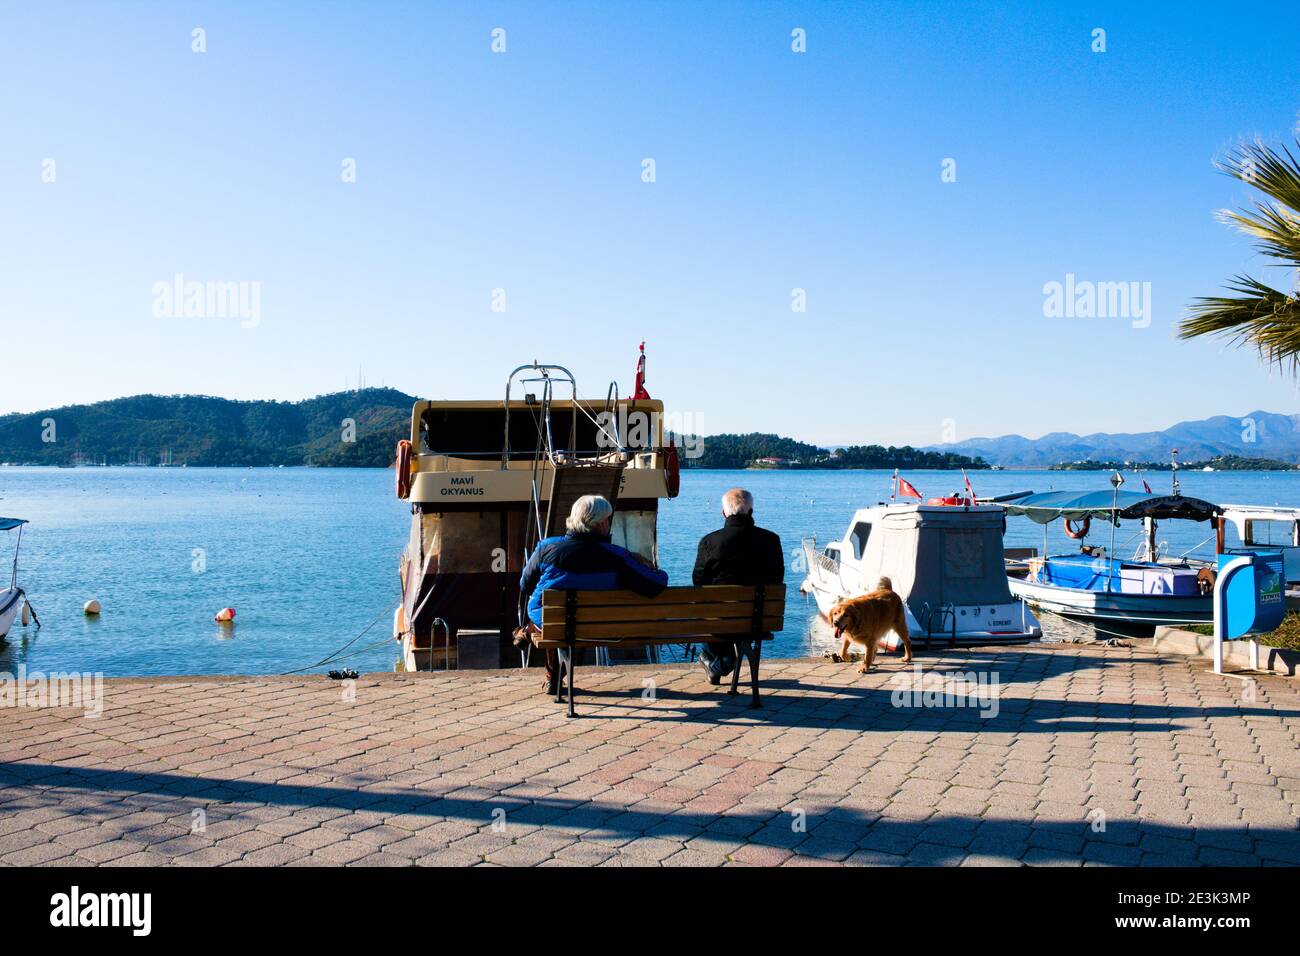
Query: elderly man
point(584, 559)
point(738, 553)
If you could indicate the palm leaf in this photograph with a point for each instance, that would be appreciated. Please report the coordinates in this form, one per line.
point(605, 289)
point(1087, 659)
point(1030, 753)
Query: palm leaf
point(1259, 316)
point(1273, 171)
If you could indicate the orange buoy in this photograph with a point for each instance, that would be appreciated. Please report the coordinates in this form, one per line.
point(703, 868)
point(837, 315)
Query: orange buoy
point(226, 615)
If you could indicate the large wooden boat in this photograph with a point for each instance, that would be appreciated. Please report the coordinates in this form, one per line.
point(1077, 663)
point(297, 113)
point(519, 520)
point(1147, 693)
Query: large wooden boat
point(486, 480)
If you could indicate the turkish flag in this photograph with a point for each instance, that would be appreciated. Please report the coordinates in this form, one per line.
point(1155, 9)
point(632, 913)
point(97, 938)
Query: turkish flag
point(906, 490)
point(639, 392)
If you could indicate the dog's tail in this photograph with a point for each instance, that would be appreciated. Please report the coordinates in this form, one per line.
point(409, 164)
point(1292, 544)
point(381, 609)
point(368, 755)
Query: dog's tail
point(884, 584)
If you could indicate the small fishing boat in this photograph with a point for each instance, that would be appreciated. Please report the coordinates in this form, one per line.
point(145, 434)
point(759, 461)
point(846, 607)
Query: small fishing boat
point(944, 559)
point(12, 599)
point(1093, 583)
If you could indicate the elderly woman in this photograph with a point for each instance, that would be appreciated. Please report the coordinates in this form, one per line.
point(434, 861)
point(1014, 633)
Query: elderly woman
point(584, 559)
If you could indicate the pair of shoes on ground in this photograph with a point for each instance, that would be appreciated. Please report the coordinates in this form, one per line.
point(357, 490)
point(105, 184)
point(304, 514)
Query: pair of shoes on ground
point(717, 666)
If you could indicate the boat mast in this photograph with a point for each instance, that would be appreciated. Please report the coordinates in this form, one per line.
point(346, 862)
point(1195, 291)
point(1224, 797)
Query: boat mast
point(13, 578)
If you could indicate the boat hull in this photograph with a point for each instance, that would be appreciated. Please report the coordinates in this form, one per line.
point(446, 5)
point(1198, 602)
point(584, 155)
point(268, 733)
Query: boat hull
point(11, 602)
point(1114, 605)
point(999, 624)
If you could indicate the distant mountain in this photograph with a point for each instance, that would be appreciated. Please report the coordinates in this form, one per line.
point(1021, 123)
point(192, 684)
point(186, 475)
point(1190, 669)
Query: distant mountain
point(202, 430)
point(1255, 435)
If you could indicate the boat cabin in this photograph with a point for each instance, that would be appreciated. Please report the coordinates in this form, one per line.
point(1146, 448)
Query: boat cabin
point(1261, 528)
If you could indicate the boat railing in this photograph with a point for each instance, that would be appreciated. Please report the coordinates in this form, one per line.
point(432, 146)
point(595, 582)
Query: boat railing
point(819, 559)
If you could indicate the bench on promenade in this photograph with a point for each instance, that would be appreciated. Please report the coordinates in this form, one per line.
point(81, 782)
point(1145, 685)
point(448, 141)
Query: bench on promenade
point(743, 615)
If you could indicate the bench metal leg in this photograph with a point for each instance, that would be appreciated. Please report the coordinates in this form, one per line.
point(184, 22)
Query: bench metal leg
point(569, 657)
point(740, 648)
point(755, 652)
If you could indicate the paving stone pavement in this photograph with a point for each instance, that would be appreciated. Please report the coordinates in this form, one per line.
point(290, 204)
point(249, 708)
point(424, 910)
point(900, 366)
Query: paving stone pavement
point(1096, 756)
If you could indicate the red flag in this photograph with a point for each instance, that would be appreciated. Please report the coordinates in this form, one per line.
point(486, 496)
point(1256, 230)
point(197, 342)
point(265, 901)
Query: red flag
point(906, 490)
point(1147, 487)
point(639, 392)
point(970, 492)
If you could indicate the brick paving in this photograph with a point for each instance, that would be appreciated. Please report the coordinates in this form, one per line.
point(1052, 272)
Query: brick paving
point(1096, 756)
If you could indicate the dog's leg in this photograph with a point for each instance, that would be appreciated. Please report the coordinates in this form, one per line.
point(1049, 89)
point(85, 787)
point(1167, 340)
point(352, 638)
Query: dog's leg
point(900, 628)
point(868, 657)
point(845, 645)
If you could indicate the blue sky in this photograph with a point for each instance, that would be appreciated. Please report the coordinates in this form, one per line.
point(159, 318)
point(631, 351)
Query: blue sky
point(522, 171)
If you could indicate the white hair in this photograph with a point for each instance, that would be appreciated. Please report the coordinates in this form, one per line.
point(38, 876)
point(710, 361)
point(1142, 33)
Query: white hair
point(587, 512)
point(737, 501)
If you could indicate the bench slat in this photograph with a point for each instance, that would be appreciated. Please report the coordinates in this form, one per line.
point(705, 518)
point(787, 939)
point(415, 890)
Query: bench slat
point(708, 594)
point(659, 612)
point(629, 631)
point(539, 641)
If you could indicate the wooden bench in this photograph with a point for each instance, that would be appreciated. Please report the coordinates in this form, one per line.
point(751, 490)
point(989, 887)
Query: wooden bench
point(745, 616)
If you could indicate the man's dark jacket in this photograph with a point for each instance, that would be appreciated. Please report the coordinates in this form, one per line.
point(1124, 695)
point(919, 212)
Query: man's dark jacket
point(740, 553)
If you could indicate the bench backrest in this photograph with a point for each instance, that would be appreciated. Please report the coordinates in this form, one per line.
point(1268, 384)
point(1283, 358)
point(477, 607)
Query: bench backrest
point(615, 617)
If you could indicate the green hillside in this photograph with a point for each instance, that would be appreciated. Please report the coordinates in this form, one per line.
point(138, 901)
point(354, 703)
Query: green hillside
point(747, 451)
point(202, 430)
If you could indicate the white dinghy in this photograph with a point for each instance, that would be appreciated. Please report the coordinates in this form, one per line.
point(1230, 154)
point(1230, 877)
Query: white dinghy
point(12, 598)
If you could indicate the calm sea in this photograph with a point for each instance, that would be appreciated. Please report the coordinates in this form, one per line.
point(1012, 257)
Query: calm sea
point(308, 557)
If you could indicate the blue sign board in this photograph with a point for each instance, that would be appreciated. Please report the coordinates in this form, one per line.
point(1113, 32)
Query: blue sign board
point(1255, 598)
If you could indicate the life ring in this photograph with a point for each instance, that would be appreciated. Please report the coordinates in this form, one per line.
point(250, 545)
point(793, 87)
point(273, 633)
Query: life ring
point(404, 475)
point(672, 470)
point(1082, 531)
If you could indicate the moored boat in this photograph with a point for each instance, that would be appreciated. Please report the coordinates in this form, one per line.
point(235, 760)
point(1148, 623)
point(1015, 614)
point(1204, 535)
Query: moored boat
point(1262, 528)
point(12, 599)
point(943, 557)
point(1093, 583)
point(486, 480)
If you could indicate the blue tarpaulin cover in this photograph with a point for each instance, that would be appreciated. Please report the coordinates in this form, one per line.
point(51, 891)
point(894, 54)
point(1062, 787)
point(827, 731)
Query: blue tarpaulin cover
point(1050, 505)
point(8, 524)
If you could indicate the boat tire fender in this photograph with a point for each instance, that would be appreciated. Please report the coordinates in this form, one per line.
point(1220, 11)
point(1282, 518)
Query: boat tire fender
point(404, 469)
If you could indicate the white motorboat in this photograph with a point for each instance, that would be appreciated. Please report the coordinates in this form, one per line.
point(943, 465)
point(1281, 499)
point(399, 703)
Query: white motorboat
point(12, 598)
point(944, 559)
point(1261, 528)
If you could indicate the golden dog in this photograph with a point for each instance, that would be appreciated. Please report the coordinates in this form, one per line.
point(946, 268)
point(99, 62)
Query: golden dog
point(866, 619)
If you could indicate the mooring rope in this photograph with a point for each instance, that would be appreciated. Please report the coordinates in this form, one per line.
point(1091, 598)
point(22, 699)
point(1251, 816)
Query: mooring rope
point(335, 656)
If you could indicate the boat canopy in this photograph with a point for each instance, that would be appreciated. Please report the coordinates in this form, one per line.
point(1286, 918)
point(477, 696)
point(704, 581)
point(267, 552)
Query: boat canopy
point(8, 524)
point(1047, 507)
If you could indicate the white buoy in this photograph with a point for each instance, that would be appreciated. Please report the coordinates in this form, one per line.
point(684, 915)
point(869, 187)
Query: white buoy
point(225, 616)
point(27, 613)
point(92, 606)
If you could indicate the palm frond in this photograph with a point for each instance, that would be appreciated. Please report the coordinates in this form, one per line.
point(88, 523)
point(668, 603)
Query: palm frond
point(1259, 316)
point(1276, 229)
point(1273, 171)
